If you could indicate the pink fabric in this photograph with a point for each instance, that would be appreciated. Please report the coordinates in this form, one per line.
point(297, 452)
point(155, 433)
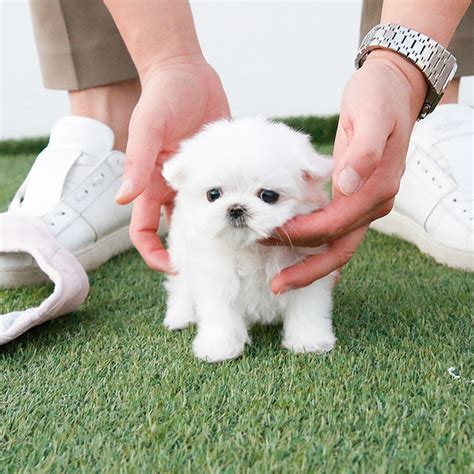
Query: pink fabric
point(29, 235)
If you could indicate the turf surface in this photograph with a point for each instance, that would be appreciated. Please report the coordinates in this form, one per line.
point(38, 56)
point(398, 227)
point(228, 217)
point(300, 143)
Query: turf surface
point(108, 389)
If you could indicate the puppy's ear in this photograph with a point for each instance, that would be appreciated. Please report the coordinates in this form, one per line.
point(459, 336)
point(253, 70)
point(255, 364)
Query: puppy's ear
point(174, 171)
point(317, 167)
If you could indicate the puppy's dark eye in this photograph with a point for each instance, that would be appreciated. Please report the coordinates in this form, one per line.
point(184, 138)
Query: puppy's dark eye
point(268, 196)
point(213, 194)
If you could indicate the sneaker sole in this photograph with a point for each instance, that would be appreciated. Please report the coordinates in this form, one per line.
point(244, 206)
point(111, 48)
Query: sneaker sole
point(398, 225)
point(91, 257)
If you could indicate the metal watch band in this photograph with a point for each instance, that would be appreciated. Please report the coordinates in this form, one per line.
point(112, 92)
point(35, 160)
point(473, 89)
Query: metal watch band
point(436, 63)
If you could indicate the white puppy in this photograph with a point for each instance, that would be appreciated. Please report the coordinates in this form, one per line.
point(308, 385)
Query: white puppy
point(236, 181)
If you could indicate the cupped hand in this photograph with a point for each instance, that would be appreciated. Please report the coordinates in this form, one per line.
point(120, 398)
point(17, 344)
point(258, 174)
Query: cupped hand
point(178, 97)
point(379, 107)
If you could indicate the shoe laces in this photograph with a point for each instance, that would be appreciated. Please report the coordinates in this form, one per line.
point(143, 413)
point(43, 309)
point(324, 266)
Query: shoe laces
point(462, 202)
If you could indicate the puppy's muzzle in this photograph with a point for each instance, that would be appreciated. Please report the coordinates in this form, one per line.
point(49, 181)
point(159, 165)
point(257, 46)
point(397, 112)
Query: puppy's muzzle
point(237, 215)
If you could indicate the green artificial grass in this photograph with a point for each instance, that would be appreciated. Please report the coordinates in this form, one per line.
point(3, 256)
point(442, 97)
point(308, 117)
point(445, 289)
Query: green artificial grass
point(108, 389)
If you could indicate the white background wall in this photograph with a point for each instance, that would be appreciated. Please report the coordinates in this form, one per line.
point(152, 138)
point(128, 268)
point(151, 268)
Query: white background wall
point(275, 58)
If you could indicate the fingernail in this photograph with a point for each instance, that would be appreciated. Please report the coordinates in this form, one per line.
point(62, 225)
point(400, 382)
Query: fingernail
point(280, 289)
point(124, 190)
point(349, 181)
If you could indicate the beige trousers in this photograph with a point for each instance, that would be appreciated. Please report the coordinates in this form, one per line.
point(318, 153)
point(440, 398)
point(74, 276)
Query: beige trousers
point(79, 45)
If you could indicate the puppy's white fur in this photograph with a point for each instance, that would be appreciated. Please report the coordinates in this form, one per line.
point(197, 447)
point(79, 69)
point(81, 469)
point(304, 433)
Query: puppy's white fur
point(224, 274)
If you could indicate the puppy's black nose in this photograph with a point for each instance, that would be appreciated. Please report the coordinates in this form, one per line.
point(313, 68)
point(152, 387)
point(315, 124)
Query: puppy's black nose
point(236, 210)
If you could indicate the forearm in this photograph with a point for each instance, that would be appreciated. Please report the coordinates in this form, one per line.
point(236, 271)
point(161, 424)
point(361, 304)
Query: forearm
point(156, 32)
point(435, 18)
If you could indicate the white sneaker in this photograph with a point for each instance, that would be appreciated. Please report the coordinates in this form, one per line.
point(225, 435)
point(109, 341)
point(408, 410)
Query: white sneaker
point(434, 206)
point(72, 186)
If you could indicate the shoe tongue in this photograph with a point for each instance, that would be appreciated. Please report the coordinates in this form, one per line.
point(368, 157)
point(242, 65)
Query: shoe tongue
point(82, 134)
point(75, 147)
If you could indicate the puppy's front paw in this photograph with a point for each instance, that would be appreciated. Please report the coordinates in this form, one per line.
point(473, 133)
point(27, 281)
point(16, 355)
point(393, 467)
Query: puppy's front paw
point(219, 344)
point(178, 318)
point(308, 341)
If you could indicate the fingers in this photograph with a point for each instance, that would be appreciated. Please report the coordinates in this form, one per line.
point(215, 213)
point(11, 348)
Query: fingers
point(346, 213)
point(337, 276)
point(363, 153)
point(339, 217)
point(146, 132)
point(317, 266)
point(143, 229)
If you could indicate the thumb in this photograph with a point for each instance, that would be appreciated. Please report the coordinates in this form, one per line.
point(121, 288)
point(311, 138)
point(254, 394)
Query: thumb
point(361, 157)
point(145, 141)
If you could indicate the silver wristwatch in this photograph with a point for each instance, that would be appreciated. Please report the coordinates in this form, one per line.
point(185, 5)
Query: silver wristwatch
point(436, 63)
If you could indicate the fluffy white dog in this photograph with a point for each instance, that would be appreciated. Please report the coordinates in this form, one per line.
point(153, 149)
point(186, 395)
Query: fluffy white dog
point(236, 181)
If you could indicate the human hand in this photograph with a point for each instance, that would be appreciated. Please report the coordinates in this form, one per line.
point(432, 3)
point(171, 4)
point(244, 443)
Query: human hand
point(379, 107)
point(178, 97)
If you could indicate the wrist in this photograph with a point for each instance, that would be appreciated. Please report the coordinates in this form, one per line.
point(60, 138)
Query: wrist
point(159, 63)
point(407, 72)
point(156, 33)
